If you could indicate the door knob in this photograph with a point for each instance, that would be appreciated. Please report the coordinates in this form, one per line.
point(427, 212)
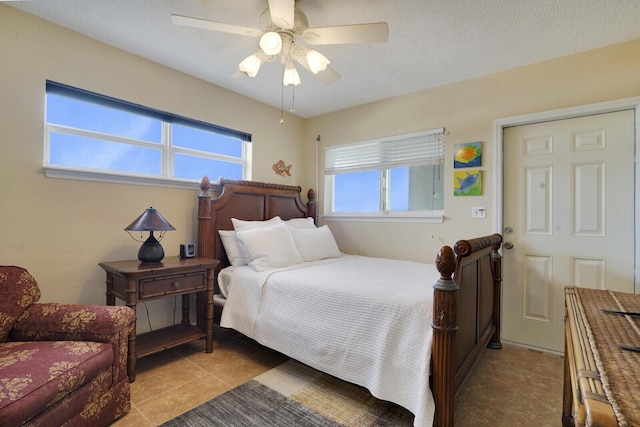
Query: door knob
point(508, 245)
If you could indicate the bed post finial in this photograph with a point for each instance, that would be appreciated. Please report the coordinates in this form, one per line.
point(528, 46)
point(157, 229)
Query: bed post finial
point(311, 205)
point(205, 185)
point(445, 325)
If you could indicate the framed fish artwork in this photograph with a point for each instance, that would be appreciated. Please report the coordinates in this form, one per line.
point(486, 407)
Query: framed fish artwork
point(467, 155)
point(467, 183)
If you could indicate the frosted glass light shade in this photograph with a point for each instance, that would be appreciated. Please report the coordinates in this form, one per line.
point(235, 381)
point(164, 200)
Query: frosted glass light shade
point(317, 61)
point(291, 77)
point(271, 43)
point(250, 65)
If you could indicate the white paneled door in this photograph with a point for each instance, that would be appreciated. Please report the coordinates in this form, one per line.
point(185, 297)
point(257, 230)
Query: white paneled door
point(568, 219)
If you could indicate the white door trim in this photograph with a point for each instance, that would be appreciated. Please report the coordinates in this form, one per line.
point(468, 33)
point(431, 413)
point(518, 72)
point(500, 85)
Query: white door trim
point(566, 113)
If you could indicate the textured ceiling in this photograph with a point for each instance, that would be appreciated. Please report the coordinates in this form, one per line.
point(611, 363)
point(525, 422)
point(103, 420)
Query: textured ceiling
point(431, 42)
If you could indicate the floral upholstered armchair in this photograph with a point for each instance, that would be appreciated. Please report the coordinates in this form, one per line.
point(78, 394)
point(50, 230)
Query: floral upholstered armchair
point(60, 364)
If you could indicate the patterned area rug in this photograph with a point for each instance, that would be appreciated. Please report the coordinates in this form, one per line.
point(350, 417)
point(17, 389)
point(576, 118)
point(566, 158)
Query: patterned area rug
point(293, 394)
point(252, 404)
point(351, 405)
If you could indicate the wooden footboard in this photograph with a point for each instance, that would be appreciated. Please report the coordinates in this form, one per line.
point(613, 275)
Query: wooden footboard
point(466, 316)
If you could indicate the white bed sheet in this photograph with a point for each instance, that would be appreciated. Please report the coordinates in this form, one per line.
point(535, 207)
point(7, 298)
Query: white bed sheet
point(364, 320)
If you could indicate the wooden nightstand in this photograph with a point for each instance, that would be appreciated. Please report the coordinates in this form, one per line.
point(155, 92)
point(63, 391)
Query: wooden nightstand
point(134, 282)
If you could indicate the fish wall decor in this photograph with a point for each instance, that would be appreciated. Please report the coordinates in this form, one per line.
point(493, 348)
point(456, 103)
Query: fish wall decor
point(467, 183)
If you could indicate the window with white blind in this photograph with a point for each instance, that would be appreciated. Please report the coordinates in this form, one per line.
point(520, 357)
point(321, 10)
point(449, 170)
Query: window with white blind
point(399, 176)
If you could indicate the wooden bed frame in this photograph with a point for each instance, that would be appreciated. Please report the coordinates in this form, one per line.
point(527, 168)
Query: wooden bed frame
point(466, 309)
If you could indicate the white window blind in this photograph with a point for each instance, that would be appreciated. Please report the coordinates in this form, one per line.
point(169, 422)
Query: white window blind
point(421, 149)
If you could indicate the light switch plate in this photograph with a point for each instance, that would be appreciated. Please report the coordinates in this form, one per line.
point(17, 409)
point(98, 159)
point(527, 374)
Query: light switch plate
point(479, 212)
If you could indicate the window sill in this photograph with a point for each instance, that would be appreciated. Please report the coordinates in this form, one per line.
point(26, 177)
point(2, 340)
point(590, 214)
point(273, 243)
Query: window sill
point(63, 173)
point(436, 218)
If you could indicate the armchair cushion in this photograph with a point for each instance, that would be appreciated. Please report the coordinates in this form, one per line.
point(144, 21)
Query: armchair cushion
point(19, 290)
point(35, 375)
point(79, 322)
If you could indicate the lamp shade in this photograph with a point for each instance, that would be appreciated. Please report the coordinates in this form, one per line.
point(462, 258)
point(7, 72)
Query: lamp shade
point(150, 220)
point(317, 61)
point(291, 77)
point(250, 65)
point(271, 43)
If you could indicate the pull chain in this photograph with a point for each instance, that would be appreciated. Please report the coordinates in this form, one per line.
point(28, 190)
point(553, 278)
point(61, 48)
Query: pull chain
point(282, 100)
point(293, 100)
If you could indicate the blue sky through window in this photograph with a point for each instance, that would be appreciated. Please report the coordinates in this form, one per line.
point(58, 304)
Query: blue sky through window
point(189, 137)
point(357, 192)
point(399, 193)
point(190, 167)
point(409, 189)
point(82, 152)
point(93, 136)
point(85, 115)
point(360, 191)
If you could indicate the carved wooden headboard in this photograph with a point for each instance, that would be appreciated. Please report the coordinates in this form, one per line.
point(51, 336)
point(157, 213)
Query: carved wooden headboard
point(246, 200)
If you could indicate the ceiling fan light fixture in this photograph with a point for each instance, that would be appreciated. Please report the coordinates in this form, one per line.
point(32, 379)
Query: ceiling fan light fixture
point(271, 43)
point(250, 65)
point(291, 76)
point(317, 61)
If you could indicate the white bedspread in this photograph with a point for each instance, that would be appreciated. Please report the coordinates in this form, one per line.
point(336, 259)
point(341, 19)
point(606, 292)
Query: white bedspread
point(364, 320)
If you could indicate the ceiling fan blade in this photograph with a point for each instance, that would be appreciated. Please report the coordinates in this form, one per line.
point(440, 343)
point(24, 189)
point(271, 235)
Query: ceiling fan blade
point(346, 34)
point(239, 75)
point(204, 24)
point(282, 12)
point(326, 76)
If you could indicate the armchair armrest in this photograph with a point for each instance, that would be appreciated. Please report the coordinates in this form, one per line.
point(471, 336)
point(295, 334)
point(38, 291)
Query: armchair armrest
point(79, 322)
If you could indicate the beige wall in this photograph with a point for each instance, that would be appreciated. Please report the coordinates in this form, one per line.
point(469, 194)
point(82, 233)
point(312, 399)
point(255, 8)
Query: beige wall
point(468, 110)
point(61, 229)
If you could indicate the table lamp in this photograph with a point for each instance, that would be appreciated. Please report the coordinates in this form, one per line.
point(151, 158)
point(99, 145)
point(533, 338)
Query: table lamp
point(150, 220)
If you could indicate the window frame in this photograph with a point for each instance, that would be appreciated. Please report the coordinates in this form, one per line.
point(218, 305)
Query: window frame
point(167, 149)
point(383, 215)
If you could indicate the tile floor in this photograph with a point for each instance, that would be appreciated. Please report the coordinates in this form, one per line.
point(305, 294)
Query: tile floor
point(513, 385)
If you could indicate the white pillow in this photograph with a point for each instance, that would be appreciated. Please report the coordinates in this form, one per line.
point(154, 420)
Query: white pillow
point(269, 247)
point(240, 224)
point(301, 222)
point(315, 243)
point(232, 247)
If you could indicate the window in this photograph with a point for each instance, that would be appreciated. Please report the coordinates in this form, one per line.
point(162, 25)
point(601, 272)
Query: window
point(97, 137)
point(400, 176)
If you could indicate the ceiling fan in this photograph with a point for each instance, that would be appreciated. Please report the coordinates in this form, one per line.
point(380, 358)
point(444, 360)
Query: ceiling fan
point(282, 29)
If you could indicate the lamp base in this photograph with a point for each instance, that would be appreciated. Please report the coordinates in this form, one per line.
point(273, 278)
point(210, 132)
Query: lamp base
point(151, 250)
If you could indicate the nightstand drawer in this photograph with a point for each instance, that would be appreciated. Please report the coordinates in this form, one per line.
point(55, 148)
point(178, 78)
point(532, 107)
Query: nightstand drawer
point(178, 284)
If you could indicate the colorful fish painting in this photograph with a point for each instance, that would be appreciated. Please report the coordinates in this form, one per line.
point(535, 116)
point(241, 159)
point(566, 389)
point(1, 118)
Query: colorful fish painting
point(467, 155)
point(467, 183)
